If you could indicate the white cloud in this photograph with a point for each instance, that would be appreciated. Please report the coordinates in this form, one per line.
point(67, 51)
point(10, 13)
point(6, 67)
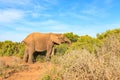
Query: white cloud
point(54, 2)
point(80, 16)
point(36, 15)
point(47, 25)
point(26, 27)
point(15, 2)
point(108, 2)
point(10, 15)
point(97, 8)
point(13, 36)
point(27, 5)
point(95, 11)
point(23, 29)
point(26, 16)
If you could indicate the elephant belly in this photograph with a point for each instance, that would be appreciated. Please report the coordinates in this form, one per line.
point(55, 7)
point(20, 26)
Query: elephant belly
point(40, 48)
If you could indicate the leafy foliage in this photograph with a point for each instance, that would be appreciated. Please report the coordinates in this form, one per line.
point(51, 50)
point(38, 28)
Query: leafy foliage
point(104, 35)
point(71, 36)
point(86, 42)
point(61, 49)
point(46, 77)
point(9, 48)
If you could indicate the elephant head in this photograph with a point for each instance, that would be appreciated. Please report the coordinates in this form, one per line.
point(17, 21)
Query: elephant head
point(55, 39)
point(63, 38)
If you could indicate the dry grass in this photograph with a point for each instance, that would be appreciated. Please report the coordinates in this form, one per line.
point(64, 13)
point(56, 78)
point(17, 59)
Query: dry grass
point(90, 67)
point(81, 65)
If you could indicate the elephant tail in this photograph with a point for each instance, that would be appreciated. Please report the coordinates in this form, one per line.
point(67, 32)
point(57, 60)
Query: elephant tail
point(23, 42)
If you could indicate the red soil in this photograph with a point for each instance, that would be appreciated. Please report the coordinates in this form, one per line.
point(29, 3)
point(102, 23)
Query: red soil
point(31, 72)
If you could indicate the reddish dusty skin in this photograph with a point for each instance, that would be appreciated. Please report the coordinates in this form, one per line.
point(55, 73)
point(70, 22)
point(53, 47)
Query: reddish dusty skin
point(41, 42)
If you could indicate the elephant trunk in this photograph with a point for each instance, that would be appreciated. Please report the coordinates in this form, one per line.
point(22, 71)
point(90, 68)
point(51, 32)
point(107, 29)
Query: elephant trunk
point(67, 41)
point(22, 42)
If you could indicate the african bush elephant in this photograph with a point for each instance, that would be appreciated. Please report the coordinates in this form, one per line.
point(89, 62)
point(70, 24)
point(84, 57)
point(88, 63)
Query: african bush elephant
point(41, 42)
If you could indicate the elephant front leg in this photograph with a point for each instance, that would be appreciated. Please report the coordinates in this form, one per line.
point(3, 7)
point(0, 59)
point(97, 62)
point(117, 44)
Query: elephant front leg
point(49, 51)
point(53, 50)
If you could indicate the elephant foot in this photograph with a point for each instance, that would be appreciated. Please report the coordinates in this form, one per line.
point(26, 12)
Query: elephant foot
point(30, 62)
point(24, 61)
point(47, 59)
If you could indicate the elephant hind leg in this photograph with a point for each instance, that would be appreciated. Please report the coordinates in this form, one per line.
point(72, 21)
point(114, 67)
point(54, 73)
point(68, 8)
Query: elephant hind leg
point(25, 57)
point(30, 57)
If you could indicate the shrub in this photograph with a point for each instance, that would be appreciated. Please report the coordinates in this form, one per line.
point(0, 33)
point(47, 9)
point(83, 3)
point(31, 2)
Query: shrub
point(104, 35)
point(87, 66)
point(60, 49)
point(111, 45)
point(81, 65)
point(9, 48)
point(46, 77)
point(40, 58)
point(71, 36)
point(86, 42)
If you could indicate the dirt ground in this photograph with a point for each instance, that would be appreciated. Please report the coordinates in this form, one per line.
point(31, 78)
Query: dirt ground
point(25, 71)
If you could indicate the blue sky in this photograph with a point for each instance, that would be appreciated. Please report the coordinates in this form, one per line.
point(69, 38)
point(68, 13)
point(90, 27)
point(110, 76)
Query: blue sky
point(18, 18)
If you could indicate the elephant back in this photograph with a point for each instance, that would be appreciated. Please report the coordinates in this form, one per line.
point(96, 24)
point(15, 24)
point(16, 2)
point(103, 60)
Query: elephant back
point(29, 39)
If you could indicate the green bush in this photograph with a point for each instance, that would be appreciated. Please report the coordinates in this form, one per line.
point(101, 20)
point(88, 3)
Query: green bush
point(106, 34)
point(61, 49)
point(71, 36)
point(86, 42)
point(46, 77)
point(80, 64)
point(9, 48)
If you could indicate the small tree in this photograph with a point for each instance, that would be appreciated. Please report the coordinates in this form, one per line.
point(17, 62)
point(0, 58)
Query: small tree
point(86, 42)
point(106, 34)
point(71, 36)
point(9, 48)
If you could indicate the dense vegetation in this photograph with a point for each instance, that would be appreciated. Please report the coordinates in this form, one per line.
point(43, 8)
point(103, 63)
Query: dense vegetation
point(71, 36)
point(87, 57)
point(9, 48)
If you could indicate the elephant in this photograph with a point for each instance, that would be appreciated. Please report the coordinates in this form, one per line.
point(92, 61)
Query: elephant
point(41, 42)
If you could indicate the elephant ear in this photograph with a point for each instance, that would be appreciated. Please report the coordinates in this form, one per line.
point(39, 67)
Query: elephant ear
point(54, 38)
point(61, 37)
